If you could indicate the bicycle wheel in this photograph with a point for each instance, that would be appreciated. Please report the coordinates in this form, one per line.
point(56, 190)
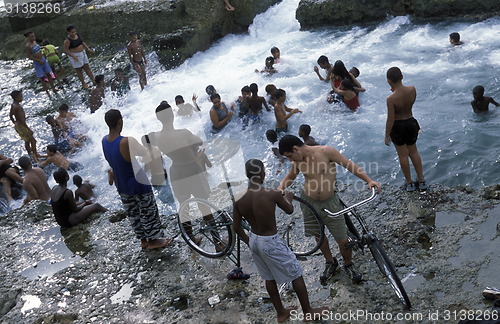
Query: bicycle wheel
point(387, 268)
point(303, 230)
point(206, 228)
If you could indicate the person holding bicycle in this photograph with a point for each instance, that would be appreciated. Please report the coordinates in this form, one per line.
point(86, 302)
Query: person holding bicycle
point(274, 259)
point(318, 165)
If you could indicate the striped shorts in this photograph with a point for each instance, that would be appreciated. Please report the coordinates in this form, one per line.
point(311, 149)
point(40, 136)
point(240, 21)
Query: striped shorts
point(143, 215)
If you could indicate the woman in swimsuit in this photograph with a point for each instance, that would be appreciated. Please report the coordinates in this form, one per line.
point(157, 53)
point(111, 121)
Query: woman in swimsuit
point(68, 213)
point(346, 90)
point(75, 48)
point(42, 67)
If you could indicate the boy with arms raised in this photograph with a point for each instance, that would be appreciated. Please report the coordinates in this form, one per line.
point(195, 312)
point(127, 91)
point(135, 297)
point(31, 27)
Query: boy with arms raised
point(274, 259)
point(318, 164)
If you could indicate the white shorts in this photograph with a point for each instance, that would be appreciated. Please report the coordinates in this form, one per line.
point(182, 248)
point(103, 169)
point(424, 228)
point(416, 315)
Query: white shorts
point(82, 59)
point(274, 259)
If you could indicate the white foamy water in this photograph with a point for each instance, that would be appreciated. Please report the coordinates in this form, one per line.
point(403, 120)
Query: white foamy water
point(457, 147)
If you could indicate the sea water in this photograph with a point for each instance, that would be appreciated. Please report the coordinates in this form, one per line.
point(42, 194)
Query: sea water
point(457, 147)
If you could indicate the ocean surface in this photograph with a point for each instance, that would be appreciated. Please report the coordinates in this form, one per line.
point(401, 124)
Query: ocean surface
point(457, 146)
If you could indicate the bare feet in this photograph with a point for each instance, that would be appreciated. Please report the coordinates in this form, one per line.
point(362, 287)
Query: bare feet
point(314, 314)
point(85, 86)
point(158, 244)
point(286, 314)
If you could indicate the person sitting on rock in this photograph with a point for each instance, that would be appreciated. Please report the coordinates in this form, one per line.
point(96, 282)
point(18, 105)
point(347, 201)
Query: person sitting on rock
point(35, 183)
point(66, 210)
point(85, 188)
point(9, 175)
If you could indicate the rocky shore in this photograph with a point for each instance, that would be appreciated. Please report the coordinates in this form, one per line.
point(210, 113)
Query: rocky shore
point(316, 13)
point(174, 29)
point(444, 244)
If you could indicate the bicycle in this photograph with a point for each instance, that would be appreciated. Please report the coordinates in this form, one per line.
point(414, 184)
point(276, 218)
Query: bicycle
point(368, 239)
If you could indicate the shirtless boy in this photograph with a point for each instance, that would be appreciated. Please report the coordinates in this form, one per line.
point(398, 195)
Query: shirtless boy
point(35, 183)
point(85, 188)
point(318, 164)
point(280, 111)
point(18, 117)
point(402, 129)
point(304, 131)
point(275, 261)
point(480, 103)
point(255, 103)
point(324, 64)
point(137, 58)
point(455, 39)
point(9, 175)
point(55, 157)
point(97, 94)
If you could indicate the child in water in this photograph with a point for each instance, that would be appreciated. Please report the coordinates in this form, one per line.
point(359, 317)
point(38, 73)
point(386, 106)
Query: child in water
point(346, 90)
point(269, 66)
point(480, 103)
point(120, 84)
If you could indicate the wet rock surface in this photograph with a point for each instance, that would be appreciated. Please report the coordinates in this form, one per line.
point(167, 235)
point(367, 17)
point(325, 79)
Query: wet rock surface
point(443, 242)
point(315, 13)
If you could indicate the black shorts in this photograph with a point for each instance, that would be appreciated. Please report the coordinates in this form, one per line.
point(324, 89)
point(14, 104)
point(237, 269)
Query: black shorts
point(405, 132)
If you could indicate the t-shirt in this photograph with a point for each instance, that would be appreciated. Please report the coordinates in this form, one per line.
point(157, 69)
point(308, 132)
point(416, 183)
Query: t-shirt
point(48, 49)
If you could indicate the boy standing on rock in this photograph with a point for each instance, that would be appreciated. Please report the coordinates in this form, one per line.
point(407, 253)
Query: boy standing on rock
point(402, 129)
point(137, 58)
point(274, 259)
point(18, 117)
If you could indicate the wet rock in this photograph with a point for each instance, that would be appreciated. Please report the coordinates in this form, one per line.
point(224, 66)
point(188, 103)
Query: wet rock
point(315, 13)
point(57, 318)
point(117, 216)
point(8, 301)
point(492, 192)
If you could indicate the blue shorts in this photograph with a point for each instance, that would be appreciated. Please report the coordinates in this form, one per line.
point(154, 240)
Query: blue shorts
point(42, 69)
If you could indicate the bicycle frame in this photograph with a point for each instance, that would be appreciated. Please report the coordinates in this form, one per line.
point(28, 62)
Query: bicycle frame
point(370, 240)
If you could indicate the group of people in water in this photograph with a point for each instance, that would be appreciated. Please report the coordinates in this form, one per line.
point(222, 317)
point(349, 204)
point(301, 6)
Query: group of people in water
point(188, 175)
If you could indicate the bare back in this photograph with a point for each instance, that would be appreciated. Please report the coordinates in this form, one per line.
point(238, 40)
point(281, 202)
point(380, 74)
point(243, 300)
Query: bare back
point(35, 184)
point(258, 206)
point(402, 101)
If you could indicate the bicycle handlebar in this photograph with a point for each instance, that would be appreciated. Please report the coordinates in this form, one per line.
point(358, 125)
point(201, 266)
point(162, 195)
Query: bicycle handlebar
point(348, 209)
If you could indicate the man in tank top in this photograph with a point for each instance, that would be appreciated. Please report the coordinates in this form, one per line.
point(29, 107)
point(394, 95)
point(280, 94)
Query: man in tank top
point(132, 183)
